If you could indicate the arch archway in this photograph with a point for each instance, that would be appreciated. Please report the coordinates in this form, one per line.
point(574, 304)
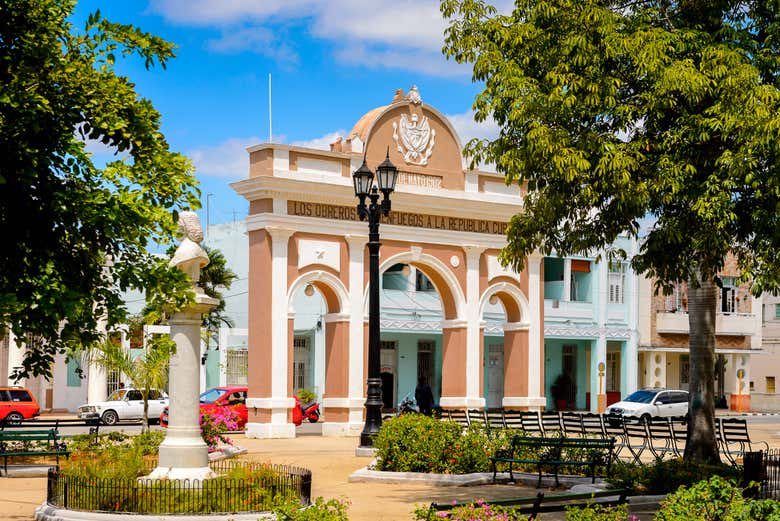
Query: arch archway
point(513, 300)
point(453, 301)
point(515, 360)
point(332, 289)
point(331, 355)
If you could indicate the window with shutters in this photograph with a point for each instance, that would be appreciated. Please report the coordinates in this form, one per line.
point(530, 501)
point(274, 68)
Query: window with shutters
point(617, 282)
point(677, 301)
point(301, 356)
point(728, 295)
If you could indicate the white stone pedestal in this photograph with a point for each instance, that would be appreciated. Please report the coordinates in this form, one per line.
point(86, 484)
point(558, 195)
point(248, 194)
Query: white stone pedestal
point(183, 453)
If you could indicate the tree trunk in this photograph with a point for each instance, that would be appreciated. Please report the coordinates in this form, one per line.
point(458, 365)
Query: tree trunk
point(701, 445)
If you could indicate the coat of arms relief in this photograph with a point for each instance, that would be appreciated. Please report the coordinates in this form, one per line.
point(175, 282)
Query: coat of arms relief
point(413, 137)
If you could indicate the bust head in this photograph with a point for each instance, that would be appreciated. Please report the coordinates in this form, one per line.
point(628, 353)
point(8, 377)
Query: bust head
point(189, 226)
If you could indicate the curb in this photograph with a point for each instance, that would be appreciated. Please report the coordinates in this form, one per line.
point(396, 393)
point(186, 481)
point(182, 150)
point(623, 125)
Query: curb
point(366, 475)
point(46, 512)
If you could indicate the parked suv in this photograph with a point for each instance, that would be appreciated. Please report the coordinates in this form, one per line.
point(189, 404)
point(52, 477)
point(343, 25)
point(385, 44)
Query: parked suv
point(125, 404)
point(652, 402)
point(17, 404)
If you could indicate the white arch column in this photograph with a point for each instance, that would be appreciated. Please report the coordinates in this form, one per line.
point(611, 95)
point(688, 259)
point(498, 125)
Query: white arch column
point(357, 378)
point(474, 337)
point(536, 397)
point(15, 358)
point(280, 402)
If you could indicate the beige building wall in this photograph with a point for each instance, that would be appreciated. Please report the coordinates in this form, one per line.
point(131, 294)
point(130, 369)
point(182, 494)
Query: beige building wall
point(664, 333)
point(766, 366)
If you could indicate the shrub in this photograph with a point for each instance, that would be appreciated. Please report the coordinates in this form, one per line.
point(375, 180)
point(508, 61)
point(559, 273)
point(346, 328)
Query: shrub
point(716, 499)
point(595, 512)
point(480, 511)
point(320, 510)
point(418, 443)
point(665, 476)
point(215, 425)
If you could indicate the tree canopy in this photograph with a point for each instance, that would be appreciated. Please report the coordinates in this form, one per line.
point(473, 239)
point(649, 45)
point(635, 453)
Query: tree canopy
point(76, 234)
point(614, 111)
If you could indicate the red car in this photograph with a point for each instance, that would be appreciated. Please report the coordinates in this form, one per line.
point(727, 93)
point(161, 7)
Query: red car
point(218, 397)
point(17, 404)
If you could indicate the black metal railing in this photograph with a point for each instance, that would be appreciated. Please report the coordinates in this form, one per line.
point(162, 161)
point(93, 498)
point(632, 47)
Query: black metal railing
point(252, 487)
point(763, 468)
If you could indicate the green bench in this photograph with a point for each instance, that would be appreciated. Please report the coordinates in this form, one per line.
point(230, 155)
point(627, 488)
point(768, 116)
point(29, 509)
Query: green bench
point(539, 504)
point(554, 452)
point(53, 446)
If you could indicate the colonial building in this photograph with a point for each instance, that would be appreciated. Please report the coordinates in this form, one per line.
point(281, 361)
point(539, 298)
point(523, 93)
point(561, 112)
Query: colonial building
point(663, 338)
point(590, 317)
point(766, 365)
point(447, 222)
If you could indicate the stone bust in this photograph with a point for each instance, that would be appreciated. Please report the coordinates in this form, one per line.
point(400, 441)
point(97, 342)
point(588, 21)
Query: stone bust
point(189, 256)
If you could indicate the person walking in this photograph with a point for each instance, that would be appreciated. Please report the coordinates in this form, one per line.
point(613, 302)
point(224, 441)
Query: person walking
point(423, 395)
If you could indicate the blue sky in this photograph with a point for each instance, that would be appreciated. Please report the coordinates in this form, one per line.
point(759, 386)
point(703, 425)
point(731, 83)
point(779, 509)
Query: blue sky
point(331, 61)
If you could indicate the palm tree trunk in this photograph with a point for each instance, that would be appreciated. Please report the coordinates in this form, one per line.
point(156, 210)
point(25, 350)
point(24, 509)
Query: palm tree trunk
point(701, 445)
point(145, 424)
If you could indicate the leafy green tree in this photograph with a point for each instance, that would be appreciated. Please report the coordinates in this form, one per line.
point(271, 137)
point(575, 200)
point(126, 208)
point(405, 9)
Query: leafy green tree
point(76, 233)
point(610, 111)
point(144, 372)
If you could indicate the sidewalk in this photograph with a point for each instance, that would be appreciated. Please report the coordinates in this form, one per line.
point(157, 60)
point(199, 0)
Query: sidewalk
point(332, 460)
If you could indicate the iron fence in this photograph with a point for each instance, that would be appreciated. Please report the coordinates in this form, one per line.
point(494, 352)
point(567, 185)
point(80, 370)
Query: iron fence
point(244, 487)
point(764, 468)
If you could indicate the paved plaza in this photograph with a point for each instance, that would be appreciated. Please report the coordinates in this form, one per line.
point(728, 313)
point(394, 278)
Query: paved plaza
point(332, 460)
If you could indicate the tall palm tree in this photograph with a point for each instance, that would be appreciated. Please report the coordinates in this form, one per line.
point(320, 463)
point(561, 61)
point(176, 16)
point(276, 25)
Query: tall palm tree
point(144, 372)
point(213, 278)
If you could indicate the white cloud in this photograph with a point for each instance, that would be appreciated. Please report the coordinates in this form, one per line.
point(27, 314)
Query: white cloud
point(398, 34)
point(258, 40)
point(468, 129)
point(322, 142)
point(229, 159)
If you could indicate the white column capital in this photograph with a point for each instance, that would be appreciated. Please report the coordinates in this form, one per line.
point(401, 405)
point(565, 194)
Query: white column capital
point(473, 252)
point(278, 233)
point(454, 324)
point(357, 240)
point(516, 326)
point(337, 317)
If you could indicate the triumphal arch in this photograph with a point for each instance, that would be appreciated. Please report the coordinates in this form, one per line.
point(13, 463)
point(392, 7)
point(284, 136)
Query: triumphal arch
point(448, 222)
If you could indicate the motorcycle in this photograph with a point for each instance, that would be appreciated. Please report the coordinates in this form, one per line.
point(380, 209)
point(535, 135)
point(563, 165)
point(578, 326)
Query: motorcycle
point(309, 411)
point(407, 405)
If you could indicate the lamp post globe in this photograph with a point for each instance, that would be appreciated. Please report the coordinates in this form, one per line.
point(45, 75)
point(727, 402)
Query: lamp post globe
point(363, 179)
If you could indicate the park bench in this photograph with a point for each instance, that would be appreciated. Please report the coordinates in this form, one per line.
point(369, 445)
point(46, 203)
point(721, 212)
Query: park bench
point(458, 416)
point(541, 503)
point(662, 437)
point(495, 419)
point(554, 452)
point(636, 437)
point(735, 440)
point(14, 443)
point(572, 424)
point(551, 422)
point(476, 417)
point(54, 423)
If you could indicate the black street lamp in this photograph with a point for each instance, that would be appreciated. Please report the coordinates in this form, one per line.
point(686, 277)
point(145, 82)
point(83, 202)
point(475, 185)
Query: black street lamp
point(363, 177)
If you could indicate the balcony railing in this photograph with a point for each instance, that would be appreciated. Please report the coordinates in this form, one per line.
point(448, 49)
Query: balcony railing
point(727, 324)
